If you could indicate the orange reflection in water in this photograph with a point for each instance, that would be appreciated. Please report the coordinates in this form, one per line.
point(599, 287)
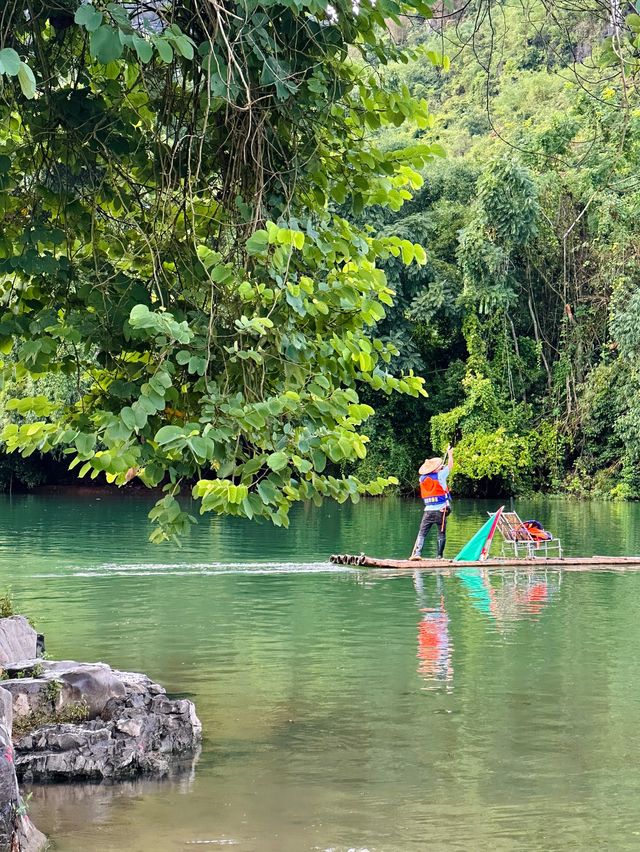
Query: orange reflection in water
point(520, 598)
point(434, 645)
point(435, 649)
point(505, 600)
point(508, 598)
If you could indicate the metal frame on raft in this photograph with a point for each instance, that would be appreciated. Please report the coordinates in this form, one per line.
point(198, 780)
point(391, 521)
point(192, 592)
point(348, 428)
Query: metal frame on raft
point(518, 540)
point(533, 549)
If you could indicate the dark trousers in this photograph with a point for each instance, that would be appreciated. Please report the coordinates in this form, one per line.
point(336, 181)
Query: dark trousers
point(431, 517)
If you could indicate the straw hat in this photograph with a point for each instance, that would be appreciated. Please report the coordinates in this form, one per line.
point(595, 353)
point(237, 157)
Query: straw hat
point(430, 466)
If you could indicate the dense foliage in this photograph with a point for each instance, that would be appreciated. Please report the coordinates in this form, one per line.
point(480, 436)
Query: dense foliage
point(169, 177)
point(212, 253)
point(524, 321)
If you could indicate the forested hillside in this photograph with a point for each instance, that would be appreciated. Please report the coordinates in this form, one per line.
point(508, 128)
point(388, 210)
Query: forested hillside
point(199, 203)
point(525, 321)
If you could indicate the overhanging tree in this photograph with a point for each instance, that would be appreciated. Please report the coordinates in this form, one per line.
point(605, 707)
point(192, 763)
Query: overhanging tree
point(169, 173)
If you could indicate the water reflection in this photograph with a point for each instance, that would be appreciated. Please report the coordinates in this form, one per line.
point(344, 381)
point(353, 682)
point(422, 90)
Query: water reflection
point(59, 805)
point(435, 649)
point(503, 599)
point(509, 597)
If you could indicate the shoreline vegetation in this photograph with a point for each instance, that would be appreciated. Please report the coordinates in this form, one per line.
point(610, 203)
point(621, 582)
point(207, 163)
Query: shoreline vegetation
point(522, 318)
point(433, 241)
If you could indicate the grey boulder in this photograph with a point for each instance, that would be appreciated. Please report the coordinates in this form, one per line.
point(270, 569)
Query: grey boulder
point(58, 685)
point(138, 732)
point(18, 639)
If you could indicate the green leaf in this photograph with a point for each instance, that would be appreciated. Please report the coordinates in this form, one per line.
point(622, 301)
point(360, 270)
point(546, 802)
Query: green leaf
point(39, 405)
point(162, 378)
point(184, 46)
point(9, 62)
point(275, 406)
point(87, 16)
point(143, 48)
point(117, 432)
point(105, 44)
point(323, 381)
point(267, 492)
point(165, 51)
point(207, 256)
point(147, 405)
point(252, 466)
point(202, 447)
point(258, 242)
point(633, 21)
point(197, 365)
point(245, 291)
point(141, 317)
point(408, 251)
point(168, 434)
point(421, 255)
point(128, 418)
point(85, 443)
point(27, 81)
point(303, 465)
point(319, 460)
point(247, 508)
point(120, 16)
point(227, 467)
point(152, 400)
point(140, 414)
point(277, 461)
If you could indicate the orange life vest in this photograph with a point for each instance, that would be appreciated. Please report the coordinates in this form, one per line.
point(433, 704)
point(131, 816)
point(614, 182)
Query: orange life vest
point(431, 490)
point(536, 533)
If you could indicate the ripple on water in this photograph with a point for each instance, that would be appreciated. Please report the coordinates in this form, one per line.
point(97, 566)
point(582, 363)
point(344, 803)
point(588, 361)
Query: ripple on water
point(183, 569)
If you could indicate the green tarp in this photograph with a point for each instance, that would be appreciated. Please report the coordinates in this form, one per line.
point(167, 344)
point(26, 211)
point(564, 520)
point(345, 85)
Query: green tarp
point(477, 548)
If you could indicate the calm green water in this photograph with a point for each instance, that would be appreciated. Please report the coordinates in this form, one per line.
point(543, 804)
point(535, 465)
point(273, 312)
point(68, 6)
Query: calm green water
point(343, 709)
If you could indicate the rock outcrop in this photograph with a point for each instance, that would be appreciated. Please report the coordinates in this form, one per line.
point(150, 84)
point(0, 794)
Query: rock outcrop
point(39, 686)
point(78, 721)
point(132, 733)
point(17, 832)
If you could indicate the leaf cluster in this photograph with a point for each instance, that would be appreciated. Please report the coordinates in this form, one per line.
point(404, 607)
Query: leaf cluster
point(170, 243)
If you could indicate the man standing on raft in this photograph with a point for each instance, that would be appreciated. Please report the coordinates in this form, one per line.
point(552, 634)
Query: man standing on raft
point(437, 501)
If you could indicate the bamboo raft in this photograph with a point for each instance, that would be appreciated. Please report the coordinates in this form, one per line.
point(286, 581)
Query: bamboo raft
point(567, 563)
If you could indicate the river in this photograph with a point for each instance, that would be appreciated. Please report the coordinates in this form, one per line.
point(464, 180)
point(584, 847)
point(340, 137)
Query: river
point(346, 709)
